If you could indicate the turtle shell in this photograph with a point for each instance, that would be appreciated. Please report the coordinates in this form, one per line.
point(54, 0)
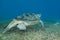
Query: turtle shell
point(28, 17)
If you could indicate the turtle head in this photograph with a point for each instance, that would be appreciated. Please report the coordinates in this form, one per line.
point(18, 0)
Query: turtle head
point(38, 15)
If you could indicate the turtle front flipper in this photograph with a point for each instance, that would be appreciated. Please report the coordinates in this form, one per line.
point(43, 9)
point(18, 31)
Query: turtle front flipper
point(12, 24)
point(42, 23)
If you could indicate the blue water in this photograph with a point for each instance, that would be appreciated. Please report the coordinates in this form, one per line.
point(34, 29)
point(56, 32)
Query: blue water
point(50, 9)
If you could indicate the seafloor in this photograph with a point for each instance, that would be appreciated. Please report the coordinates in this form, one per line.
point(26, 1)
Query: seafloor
point(51, 31)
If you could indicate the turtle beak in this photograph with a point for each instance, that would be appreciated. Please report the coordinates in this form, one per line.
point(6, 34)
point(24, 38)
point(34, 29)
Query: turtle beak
point(11, 24)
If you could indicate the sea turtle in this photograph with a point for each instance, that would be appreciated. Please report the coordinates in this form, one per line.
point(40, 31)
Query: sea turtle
point(24, 20)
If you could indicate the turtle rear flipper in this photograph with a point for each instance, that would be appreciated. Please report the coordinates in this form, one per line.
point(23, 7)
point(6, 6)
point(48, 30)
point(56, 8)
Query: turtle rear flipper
point(12, 24)
point(21, 26)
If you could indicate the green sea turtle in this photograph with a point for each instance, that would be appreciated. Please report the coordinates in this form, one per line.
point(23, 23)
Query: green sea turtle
point(24, 20)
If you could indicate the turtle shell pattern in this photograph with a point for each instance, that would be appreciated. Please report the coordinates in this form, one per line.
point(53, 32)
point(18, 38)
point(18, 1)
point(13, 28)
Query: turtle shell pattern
point(28, 17)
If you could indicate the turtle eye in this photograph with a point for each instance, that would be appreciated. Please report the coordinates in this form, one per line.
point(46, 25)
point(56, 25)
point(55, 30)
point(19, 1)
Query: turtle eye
point(27, 15)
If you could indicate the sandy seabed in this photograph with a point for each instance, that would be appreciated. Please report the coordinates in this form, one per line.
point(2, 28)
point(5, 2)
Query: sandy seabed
point(51, 31)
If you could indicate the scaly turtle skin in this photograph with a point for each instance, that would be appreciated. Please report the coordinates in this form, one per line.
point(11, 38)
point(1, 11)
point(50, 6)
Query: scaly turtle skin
point(24, 20)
